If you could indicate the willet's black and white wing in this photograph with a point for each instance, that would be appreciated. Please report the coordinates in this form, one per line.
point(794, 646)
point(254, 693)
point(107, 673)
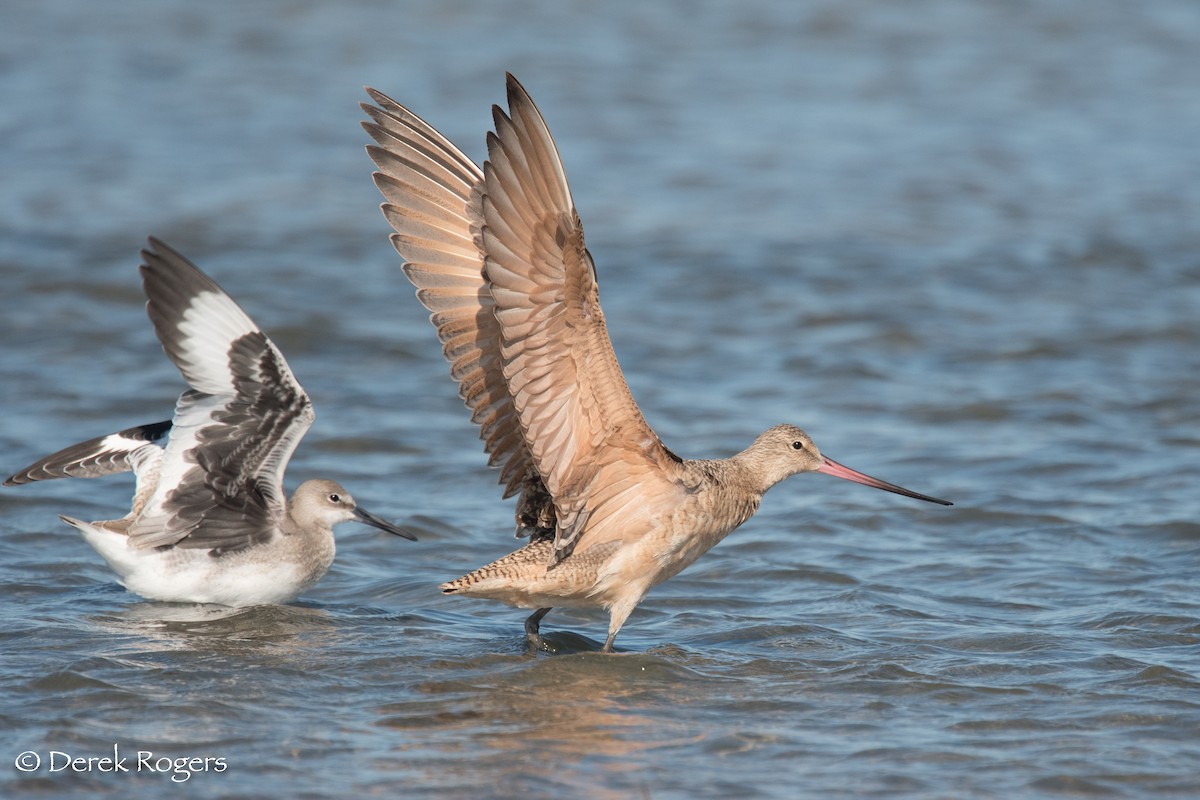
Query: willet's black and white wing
point(221, 483)
point(105, 455)
point(138, 449)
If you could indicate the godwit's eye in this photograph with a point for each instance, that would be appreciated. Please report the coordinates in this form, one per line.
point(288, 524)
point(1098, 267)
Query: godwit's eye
point(797, 445)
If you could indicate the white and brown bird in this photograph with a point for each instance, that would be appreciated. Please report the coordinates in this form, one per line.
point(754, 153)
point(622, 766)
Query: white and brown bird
point(498, 257)
point(210, 522)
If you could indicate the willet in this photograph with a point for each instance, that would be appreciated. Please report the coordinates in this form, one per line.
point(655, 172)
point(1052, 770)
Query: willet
point(210, 522)
point(498, 257)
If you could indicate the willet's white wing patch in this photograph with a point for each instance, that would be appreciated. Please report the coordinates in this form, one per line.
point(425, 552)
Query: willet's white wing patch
point(196, 321)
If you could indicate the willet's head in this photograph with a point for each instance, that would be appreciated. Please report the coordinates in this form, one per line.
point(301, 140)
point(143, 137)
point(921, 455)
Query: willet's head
point(325, 503)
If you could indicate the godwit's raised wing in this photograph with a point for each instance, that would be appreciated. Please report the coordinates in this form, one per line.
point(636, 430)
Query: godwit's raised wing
point(433, 195)
point(588, 438)
point(221, 482)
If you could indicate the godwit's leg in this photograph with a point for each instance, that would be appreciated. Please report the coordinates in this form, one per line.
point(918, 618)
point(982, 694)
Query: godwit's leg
point(531, 629)
point(616, 618)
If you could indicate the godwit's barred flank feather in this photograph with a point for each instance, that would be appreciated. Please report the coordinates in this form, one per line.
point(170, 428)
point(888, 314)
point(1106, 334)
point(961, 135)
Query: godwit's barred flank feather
point(520, 319)
point(210, 521)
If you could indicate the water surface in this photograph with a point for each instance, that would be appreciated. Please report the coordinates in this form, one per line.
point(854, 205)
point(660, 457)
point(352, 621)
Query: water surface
point(959, 243)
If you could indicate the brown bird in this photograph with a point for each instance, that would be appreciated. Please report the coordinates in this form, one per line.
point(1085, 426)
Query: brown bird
point(498, 257)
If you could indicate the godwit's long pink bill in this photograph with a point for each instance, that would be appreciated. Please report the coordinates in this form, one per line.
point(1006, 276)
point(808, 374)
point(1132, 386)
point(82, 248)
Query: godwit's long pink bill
point(498, 257)
point(837, 470)
point(210, 522)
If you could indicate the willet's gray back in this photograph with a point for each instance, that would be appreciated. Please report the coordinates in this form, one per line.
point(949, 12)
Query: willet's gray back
point(210, 522)
point(498, 257)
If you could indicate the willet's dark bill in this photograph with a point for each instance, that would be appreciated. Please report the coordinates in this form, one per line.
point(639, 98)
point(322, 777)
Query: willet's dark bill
point(498, 257)
point(210, 522)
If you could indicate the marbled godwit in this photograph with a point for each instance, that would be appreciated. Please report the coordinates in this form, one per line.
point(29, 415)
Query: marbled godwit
point(498, 257)
point(210, 522)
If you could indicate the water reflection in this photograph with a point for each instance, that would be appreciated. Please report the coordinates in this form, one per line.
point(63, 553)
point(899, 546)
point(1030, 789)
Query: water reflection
point(578, 712)
point(281, 631)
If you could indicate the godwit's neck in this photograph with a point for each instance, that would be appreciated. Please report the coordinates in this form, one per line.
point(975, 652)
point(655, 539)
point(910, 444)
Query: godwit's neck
point(737, 474)
point(726, 493)
point(754, 470)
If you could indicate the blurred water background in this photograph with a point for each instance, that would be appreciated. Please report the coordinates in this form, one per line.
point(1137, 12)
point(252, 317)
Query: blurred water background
point(958, 242)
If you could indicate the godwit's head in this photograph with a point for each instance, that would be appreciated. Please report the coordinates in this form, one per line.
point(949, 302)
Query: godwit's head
point(785, 450)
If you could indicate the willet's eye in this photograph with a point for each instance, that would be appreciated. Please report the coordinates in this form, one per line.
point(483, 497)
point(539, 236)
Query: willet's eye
point(797, 445)
point(335, 498)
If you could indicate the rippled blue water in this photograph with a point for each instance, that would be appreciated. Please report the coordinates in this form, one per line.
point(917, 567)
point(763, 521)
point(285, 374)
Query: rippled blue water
point(958, 242)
